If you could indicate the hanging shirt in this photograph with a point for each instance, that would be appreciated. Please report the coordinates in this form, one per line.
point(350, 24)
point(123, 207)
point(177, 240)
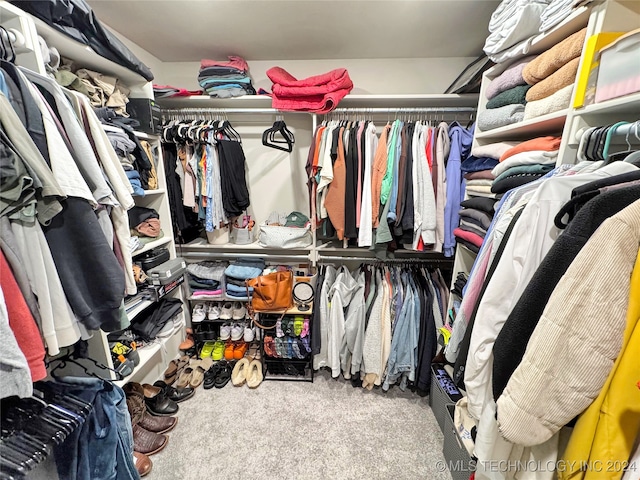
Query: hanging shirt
point(365, 234)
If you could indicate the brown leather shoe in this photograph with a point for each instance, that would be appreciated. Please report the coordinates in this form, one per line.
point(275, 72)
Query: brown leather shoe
point(157, 424)
point(135, 402)
point(143, 463)
point(148, 442)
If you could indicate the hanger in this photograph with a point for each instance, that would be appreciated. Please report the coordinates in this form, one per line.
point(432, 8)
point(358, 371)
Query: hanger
point(270, 137)
point(607, 139)
point(67, 359)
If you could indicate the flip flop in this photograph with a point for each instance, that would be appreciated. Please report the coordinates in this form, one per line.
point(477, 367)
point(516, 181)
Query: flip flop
point(185, 377)
point(199, 369)
point(298, 324)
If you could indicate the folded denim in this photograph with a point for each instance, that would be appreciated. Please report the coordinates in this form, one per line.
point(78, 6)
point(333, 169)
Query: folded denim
point(203, 286)
point(243, 271)
point(204, 281)
point(238, 297)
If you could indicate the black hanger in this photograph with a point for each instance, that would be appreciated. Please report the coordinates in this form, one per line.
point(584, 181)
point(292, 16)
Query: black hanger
point(270, 137)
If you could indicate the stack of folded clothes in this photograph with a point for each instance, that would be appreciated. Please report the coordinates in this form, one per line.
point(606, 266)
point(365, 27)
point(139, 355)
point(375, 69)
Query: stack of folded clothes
point(478, 175)
point(237, 273)
point(225, 79)
point(144, 223)
point(525, 163)
point(507, 97)
point(557, 11)
point(475, 218)
point(206, 279)
point(317, 94)
point(552, 75)
point(169, 91)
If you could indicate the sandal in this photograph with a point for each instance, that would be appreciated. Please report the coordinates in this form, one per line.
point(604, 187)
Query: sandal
point(199, 369)
point(218, 350)
point(239, 350)
point(305, 327)
point(224, 375)
point(207, 350)
point(210, 376)
point(174, 368)
point(239, 374)
point(185, 377)
point(269, 346)
point(298, 324)
point(254, 374)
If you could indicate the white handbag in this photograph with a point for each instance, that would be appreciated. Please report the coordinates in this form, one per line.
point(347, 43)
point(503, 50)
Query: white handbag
point(275, 236)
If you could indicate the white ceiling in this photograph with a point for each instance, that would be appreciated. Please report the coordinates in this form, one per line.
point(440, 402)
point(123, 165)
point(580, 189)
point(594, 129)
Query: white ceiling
point(188, 30)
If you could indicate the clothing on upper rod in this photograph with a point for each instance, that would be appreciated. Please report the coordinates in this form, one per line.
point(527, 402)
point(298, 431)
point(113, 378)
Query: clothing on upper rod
point(391, 191)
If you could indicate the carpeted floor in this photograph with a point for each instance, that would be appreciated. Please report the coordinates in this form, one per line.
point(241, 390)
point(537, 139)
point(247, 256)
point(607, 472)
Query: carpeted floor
point(294, 430)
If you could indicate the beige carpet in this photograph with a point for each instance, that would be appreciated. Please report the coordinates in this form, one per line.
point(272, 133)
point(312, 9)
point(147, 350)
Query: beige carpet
point(294, 430)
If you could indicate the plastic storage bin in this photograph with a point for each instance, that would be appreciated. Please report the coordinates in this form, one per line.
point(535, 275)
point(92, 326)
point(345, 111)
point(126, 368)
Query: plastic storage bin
point(443, 392)
point(619, 71)
point(459, 462)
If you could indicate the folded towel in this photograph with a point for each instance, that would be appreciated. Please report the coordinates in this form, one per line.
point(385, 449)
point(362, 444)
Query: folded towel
point(499, 117)
point(479, 182)
point(526, 158)
point(481, 175)
point(492, 150)
point(553, 103)
point(548, 62)
point(565, 75)
point(483, 204)
point(511, 77)
point(513, 95)
point(547, 144)
point(470, 237)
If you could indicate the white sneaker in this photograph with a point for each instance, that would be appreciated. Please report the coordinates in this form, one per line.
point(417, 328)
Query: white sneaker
point(237, 331)
point(239, 311)
point(214, 311)
point(249, 334)
point(225, 331)
point(226, 311)
point(198, 313)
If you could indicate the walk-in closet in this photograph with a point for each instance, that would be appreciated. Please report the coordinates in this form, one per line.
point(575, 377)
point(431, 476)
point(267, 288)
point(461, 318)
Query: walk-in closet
point(324, 239)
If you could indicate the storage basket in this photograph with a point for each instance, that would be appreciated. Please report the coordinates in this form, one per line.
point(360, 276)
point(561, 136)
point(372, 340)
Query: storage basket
point(443, 392)
point(459, 462)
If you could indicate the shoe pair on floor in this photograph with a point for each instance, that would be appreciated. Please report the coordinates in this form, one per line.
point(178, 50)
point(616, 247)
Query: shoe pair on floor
point(215, 311)
point(228, 350)
point(247, 371)
point(218, 375)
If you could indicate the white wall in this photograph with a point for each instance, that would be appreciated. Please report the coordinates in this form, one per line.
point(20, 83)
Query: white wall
point(375, 76)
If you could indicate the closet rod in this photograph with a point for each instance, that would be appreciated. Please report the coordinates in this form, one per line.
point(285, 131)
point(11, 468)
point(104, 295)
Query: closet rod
point(323, 258)
point(405, 110)
point(224, 111)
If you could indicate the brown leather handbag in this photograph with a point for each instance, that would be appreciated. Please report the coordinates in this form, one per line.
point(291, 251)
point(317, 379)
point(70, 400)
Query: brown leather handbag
point(272, 292)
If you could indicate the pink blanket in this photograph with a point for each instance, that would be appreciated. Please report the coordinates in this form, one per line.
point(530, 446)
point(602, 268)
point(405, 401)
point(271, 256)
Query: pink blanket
point(234, 62)
point(319, 93)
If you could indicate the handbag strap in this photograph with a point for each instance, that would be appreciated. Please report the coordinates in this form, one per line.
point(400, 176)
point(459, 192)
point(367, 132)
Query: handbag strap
point(254, 316)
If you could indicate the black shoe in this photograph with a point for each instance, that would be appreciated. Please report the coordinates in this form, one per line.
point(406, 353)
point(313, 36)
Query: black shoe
point(211, 375)
point(176, 394)
point(224, 375)
point(157, 402)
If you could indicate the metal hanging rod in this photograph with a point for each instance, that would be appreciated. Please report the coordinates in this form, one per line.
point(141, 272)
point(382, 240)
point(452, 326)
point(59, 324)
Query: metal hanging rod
point(406, 110)
point(223, 111)
point(437, 261)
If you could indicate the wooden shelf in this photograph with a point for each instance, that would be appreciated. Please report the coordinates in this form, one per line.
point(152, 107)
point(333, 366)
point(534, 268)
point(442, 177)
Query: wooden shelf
point(201, 244)
point(550, 123)
point(84, 56)
point(350, 101)
point(152, 245)
point(626, 104)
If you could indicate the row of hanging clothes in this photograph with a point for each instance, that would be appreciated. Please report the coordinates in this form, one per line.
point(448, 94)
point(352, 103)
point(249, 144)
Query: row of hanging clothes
point(205, 168)
point(378, 325)
point(398, 186)
point(65, 237)
point(547, 336)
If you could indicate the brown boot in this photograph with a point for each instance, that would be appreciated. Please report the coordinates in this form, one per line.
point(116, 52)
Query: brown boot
point(143, 463)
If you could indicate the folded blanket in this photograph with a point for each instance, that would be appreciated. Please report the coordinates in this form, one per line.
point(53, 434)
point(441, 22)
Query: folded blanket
point(480, 182)
point(548, 62)
point(492, 150)
point(511, 181)
point(512, 22)
point(513, 95)
point(511, 77)
point(483, 217)
point(481, 175)
point(483, 204)
point(287, 86)
point(565, 75)
point(499, 117)
point(470, 237)
point(526, 158)
point(320, 104)
point(474, 164)
point(535, 168)
point(546, 144)
point(553, 103)
point(473, 229)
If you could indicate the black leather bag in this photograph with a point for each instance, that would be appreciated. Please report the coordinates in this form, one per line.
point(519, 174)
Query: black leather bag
point(148, 323)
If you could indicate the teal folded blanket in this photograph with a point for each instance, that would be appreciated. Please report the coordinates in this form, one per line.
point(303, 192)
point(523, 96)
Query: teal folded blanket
point(508, 97)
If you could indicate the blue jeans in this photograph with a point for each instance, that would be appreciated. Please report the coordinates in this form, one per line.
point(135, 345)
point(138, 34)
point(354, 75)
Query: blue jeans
point(102, 449)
